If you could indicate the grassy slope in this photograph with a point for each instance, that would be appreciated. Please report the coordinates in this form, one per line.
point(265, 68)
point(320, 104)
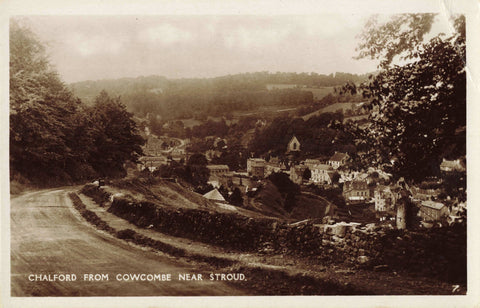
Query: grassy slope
point(309, 206)
point(173, 195)
point(270, 202)
point(330, 108)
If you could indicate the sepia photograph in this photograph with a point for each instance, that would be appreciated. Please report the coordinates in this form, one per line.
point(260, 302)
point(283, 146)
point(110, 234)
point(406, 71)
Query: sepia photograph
point(220, 155)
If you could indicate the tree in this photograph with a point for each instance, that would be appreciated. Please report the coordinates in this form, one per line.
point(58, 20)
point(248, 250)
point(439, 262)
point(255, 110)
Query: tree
point(236, 197)
point(307, 174)
point(196, 169)
point(197, 159)
point(286, 187)
point(417, 108)
point(43, 113)
point(115, 136)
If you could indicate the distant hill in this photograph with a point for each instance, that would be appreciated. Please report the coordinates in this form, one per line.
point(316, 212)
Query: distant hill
point(200, 97)
point(89, 89)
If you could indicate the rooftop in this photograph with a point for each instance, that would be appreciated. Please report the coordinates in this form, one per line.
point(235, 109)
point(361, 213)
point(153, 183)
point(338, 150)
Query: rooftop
point(217, 167)
point(322, 167)
point(338, 156)
point(433, 204)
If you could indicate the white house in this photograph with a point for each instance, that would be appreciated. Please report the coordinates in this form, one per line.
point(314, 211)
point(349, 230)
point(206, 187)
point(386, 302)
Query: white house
point(338, 159)
point(322, 173)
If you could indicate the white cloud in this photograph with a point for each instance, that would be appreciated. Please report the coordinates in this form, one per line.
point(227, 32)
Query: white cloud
point(165, 34)
point(87, 45)
point(331, 26)
point(255, 37)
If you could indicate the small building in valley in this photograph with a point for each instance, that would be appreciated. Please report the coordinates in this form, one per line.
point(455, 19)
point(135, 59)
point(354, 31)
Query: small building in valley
point(338, 159)
point(310, 163)
point(256, 167)
point(356, 191)
point(322, 174)
point(432, 211)
point(217, 171)
point(293, 145)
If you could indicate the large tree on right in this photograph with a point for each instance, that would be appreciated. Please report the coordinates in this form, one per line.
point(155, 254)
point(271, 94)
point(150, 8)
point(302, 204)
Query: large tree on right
point(418, 107)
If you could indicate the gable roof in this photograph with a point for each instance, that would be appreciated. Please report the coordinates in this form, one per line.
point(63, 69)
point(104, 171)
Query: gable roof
point(338, 156)
point(355, 185)
point(322, 167)
point(217, 167)
point(294, 139)
point(433, 204)
point(214, 195)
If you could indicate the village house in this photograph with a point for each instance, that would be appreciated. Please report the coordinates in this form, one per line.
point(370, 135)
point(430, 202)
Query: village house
point(322, 174)
point(338, 159)
point(271, 168)
point(422, 194)
point(256, 167)
point(356, 191)
point(293, 145)
point(385, 198)
point(217, 171)
point(274, 165)
point(296, 173)
point(348, 176)
point(310, 163)
point(452, 165)
point(151, 163)
point(432, 211)
point(153, 146)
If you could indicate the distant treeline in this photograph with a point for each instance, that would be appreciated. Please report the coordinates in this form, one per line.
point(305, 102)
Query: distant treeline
point(186, 98)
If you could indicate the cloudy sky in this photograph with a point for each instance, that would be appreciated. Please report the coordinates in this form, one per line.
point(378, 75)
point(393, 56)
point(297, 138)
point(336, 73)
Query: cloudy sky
point(99, 47)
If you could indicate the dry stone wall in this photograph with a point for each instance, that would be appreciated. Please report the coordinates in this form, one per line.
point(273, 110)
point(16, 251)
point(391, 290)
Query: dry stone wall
point(439, 253)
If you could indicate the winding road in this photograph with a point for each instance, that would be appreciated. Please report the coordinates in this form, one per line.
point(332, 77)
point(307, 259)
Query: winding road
point(49, 237)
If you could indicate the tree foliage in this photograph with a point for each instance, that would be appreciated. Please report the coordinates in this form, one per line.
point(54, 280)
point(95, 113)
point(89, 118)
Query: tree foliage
point(320, 135)
point(418, 109)
point(114, 135)
point(54, 138)
point(401, 36)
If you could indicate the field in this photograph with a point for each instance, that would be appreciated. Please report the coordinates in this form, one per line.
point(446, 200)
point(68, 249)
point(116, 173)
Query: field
point(331, 108)
point(319, 93)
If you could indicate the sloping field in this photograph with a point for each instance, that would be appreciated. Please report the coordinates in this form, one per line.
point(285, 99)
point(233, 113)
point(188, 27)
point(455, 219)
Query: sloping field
point(170, 194)
point(331, 108)
point(269, 201)
point(309, 206)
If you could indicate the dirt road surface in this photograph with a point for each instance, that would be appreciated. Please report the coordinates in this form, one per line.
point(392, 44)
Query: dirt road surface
point(49, 237)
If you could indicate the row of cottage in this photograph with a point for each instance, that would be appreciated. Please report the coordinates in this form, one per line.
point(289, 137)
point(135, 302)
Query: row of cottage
point(319, 172)
point(356, 188)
